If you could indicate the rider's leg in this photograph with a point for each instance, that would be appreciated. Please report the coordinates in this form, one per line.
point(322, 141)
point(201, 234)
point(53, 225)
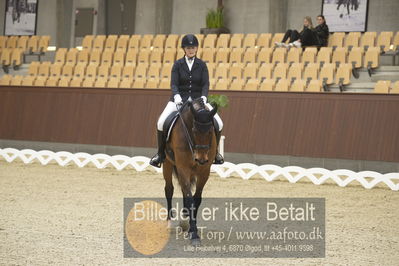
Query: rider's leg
point(158, 159)
point(218, 158)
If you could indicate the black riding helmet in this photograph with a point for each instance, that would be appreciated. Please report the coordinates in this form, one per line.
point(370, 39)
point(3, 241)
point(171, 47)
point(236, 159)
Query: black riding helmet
point(189, 40)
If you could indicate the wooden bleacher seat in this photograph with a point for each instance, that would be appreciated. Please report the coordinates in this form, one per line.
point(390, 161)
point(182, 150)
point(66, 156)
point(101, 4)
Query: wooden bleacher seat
point(144, 55)
point(236, 55)
point(222, 55)
point(138, 83)
point(324, 55)
point(156, 55)
point(99, 42)
point(236, 85)
point(223, 41)
point(250, 71)
point(339, 56)
point(134, 42)
point(265, 55)
point(382, 86)
point(343, 75)
point(103, 72)
point(265, 72)
point(209, 41)
point(282, 85)
point(171, 41)
point(250, 40)
point(152, 83)
point(295, 71)
point(280, 71)
point(131, 57)
point(298, 85)
point(267, 85)
point(16, 80)
point(125, 83)
point(352, 40)
point(311, 71)
point(294, 55)
point(236, 41)
point(119, 57)
point(251, 85)
point(279, 55)
point(141, 71)
point(87, 42)
point(169, 55)
point(222, 84)
point(43, 44)
point(128, 72)
point(314, 85)
point(208, 55)
point(384, 40)
point(159, 41)
point(368, 39)
point(395, 88)
point(336, 39)
point(107, 57)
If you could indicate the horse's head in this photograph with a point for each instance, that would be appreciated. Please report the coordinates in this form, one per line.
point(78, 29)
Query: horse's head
point(203, 130)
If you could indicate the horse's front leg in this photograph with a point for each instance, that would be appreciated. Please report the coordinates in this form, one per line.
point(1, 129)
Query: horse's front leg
point(201, 181)
point(168, 176)
point(189, 206)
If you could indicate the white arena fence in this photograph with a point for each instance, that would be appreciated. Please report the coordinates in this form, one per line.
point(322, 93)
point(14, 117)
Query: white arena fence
point(293, 174)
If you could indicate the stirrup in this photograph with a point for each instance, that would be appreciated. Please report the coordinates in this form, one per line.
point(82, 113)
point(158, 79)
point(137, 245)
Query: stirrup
point(157, 160)
point(218, 159)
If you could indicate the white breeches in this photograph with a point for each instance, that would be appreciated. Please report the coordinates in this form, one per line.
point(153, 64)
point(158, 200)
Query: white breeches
point(171, 107)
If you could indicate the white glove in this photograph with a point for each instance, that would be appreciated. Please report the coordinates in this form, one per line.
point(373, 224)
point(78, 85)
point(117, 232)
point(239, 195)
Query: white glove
point(178, 99)
point(204, 99)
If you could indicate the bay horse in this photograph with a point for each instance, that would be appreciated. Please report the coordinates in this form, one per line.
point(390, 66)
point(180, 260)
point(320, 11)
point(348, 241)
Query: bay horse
point(190, 152)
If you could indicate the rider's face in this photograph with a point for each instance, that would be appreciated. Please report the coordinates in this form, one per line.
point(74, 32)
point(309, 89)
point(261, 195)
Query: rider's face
point(305, 22)
point(320, 20)
point(190, 51)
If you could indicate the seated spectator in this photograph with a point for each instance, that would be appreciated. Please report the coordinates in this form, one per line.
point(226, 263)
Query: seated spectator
point(322, 30)
point(307, 37)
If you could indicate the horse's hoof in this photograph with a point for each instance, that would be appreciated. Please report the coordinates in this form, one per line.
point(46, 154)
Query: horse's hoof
point(184, 224)
point(196, 242)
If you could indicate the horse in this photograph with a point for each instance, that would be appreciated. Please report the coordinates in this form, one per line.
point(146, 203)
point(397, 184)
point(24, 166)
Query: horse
point(190, 152)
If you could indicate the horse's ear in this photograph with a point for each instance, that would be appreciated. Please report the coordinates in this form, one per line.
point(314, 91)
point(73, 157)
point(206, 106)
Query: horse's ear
point(214, 110)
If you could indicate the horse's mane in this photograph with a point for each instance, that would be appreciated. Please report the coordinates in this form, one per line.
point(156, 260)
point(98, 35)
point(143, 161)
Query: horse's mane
point(199, 105)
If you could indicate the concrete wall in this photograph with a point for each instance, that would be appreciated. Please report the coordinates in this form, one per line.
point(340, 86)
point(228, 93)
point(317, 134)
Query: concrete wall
point(189, 16)
point(383, 15)
point(298, 9)
point(247, 16)
point(47, 20)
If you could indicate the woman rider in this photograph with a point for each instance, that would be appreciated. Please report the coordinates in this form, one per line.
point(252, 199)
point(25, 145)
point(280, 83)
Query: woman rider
point(189, 81)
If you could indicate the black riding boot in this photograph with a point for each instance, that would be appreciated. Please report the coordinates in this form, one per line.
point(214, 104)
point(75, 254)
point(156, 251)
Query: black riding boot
point(158, 159)
point(218, 158)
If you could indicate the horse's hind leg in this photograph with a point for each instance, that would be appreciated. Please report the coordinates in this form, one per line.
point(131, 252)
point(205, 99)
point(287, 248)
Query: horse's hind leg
point(167, 175)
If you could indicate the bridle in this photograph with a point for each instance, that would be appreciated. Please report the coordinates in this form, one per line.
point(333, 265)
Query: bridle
point(191, 143)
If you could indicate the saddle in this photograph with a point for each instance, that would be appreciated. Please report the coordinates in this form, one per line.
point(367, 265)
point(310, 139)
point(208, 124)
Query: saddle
point(171, 121)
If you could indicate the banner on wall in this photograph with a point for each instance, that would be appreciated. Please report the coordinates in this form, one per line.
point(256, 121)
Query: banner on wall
point(20, 17)
point(345, 15)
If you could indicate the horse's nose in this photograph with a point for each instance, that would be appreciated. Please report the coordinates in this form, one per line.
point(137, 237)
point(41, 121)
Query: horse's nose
point(201, 161)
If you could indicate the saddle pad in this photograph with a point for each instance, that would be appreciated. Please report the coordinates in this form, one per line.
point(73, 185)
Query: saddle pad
point(169, 124)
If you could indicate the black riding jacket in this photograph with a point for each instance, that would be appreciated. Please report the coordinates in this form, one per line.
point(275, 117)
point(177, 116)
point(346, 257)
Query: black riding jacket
point(194, 83)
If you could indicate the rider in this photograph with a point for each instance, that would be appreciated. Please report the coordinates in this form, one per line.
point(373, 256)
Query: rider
point(190, 80)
